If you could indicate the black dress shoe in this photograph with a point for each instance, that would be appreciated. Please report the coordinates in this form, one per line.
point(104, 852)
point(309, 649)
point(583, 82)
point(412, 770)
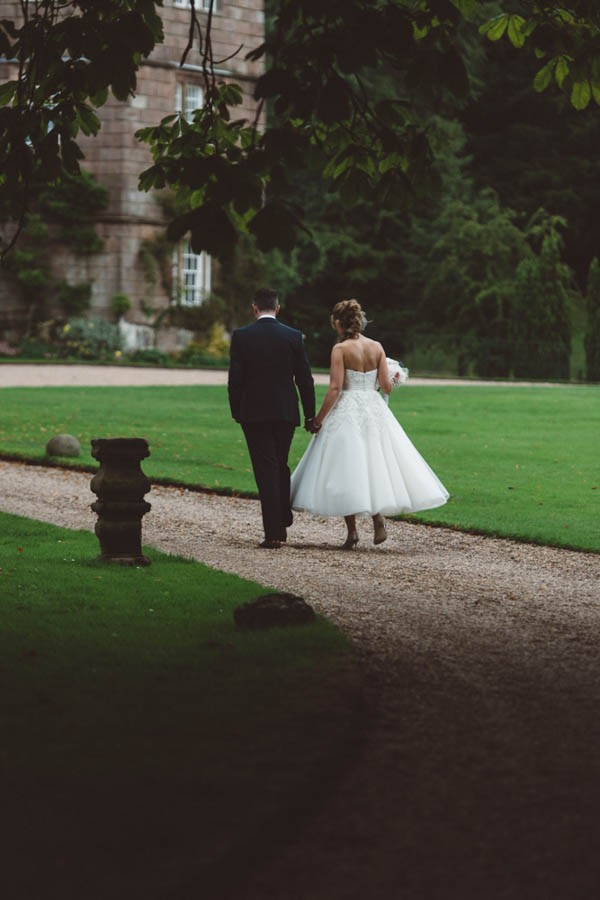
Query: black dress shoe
point(270, 545)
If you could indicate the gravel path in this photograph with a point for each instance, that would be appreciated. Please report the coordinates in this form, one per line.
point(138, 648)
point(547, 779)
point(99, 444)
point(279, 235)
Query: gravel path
point(57, 375)
point(480, 775)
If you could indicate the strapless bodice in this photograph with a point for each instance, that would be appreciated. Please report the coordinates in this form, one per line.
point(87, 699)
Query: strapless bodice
point(360, 381)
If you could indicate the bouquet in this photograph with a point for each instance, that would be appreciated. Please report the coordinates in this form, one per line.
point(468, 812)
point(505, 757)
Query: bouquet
point(398, 375)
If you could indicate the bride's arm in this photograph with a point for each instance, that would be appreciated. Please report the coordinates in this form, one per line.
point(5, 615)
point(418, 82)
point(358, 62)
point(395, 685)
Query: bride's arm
point(383, 374)
point(336, 382)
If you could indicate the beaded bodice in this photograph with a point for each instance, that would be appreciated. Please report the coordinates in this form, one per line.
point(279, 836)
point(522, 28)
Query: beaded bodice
point(360, 381)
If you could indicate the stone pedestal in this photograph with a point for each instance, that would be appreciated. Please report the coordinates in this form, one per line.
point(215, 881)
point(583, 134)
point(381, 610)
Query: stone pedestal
point(120, 486)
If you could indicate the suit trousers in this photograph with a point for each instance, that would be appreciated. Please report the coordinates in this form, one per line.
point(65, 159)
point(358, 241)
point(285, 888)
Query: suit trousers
point(269, 445)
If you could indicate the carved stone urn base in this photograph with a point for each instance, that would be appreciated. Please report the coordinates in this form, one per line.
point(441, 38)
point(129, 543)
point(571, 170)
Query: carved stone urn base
point(120, 486)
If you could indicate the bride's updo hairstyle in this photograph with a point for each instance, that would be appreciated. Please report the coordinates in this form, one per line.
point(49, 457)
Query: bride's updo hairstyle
point(351, 318)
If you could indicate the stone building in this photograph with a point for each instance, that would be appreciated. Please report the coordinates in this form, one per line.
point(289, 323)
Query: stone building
point(132, 219)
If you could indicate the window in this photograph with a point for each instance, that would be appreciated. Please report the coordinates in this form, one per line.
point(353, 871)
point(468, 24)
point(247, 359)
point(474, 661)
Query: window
point(203, 5)
point(191, 273)
point(188, 98)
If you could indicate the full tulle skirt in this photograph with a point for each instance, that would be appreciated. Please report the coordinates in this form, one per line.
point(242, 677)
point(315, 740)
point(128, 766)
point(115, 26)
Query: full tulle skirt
point(362, 462)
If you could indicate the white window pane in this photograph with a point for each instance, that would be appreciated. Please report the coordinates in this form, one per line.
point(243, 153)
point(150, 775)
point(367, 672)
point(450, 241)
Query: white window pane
point(193, 99)
point(200, 4)
point(188, 98)
point(192, 276)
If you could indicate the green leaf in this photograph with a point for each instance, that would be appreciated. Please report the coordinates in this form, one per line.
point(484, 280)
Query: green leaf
point(562, 70)
point(467, 7)
point(88, 120)
point(565, 15)
point(100, 97)
point(581, 94)
point(7, 92)
point(258, 53)
point(337, 166)
point(543, 78)
point(495, 28)
point(596, 92)
point(392, 162)
point(71, 154)
point(515, 30)
point(152, 178)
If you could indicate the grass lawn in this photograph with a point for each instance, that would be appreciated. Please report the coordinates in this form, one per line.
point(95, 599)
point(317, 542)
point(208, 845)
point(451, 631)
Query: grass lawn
point(147, 741)
point(519, 462)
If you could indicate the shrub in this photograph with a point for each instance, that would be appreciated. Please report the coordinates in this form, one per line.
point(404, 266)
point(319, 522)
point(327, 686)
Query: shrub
point(74, 298)
point(195, 354)
point(120, 304)
point(89, 339)
point(32, 348)
point(150, 355)
point(217, 344)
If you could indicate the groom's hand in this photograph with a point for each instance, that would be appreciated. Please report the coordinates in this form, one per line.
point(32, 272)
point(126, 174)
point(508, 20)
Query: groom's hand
point(312, 426)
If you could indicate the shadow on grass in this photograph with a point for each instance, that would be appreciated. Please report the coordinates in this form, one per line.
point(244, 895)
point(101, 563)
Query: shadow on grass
point(153, 750)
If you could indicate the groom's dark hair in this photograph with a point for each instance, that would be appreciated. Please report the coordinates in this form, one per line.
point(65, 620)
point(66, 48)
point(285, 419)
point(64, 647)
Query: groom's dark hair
point(266, 298)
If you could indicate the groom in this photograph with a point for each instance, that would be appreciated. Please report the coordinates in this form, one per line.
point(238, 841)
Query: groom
point(268, 362)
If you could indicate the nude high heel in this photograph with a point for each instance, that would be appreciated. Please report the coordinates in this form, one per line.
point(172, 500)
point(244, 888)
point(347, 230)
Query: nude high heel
point(379, 530)
point(351, 541)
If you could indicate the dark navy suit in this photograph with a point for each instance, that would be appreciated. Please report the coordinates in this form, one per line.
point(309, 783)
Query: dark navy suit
point(268, 362)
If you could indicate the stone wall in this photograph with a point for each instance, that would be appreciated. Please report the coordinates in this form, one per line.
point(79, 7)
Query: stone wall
point(116, 158)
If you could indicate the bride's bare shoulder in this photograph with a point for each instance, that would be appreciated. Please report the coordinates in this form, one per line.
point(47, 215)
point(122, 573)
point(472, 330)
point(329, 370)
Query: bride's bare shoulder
point(373, 347)
point(338, 356)
point(369, 342)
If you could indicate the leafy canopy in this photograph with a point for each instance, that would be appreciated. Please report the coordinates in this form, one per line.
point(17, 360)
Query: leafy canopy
point(232, 174)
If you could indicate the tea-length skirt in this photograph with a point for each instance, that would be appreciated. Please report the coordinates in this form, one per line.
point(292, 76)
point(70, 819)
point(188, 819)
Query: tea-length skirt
point(362, 462)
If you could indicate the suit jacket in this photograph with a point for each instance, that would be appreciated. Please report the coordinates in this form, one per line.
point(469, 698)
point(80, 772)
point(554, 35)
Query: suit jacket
point(268, 361)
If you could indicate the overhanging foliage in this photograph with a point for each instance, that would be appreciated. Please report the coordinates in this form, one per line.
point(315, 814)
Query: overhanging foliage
point(231, 174)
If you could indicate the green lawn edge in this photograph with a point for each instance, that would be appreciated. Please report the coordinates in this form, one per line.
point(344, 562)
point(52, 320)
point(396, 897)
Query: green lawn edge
point(417, 519)
point(148, 742)
point(518, 464)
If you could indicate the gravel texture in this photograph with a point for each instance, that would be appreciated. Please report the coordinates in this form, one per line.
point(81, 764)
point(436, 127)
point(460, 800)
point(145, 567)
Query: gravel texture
point(479, 775)
point(58, 375)
point(481, 666)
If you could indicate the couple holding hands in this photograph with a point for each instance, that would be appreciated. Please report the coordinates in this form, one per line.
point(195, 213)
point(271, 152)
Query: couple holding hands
point(360, 462)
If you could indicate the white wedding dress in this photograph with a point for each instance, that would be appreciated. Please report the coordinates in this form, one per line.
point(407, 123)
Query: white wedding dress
point(362, 462)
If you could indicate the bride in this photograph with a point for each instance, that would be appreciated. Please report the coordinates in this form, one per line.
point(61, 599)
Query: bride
point(360, 461)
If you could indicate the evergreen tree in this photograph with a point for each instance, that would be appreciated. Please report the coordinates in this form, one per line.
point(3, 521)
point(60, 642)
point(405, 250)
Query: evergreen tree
point(540, 324)
point(535, 150)
point(592, 335)
point(467, 291)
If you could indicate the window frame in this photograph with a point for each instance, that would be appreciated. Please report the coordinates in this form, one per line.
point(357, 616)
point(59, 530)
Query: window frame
point(183, 90)
point(200, 5)
point(191, 283)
